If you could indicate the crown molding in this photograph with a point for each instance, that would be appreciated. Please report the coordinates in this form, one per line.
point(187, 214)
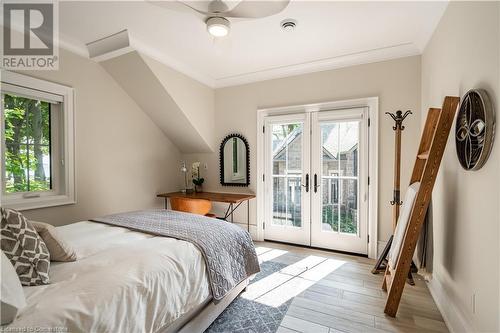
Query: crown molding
point(341, 61)
point(73, 46)
point(172, 63)
point(62, 41)
point(336, 62)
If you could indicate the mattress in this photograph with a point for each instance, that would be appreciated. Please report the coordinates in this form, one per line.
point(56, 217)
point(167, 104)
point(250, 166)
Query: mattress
point(123, 281)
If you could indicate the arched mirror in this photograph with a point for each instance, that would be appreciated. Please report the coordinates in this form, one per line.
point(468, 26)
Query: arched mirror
point(234, 161)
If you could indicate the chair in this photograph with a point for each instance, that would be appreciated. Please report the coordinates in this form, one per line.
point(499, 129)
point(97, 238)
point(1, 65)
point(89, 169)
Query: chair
point(194, 206)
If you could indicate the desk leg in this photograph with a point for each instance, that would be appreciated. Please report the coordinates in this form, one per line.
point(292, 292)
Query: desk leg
point(232, 211)
point(166, 203)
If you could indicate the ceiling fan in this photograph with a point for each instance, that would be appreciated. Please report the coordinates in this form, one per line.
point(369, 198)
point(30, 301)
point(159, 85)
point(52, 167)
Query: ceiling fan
point(217, 12)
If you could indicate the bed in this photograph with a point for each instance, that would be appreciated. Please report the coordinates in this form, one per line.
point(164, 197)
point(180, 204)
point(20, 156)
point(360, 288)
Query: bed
point(125, 281)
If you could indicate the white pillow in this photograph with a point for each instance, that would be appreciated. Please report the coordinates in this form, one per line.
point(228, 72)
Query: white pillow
point(12, 294)
point(404, 218)
point(59, 250)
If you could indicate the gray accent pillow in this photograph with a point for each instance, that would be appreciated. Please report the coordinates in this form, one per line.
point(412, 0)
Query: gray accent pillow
point(25, 249)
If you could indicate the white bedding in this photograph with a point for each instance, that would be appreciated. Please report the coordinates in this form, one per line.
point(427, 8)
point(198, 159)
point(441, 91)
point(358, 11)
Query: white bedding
point(123, 281)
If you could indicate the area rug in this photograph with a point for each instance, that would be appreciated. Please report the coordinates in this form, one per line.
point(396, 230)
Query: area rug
point(247, 316)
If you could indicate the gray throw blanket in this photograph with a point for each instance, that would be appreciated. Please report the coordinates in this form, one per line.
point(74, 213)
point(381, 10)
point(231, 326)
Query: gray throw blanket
point(228, 250)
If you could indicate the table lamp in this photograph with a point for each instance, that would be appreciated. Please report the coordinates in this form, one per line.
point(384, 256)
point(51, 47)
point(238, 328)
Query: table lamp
point(184, 170)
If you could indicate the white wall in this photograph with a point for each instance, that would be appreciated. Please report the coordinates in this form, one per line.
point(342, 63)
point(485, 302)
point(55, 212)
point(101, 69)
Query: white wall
point(395, 82)
point(195, 99)
point(142, 84)
point(463, 54)
point(122, 158)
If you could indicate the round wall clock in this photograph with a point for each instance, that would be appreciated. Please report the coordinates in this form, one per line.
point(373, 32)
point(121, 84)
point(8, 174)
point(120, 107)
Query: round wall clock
point(475, 128)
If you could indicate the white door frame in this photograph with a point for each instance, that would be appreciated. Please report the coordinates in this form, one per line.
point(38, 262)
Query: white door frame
point(372, 104)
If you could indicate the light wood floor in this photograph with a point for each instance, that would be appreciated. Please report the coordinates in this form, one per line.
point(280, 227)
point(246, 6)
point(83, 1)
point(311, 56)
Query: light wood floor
point(337, 293)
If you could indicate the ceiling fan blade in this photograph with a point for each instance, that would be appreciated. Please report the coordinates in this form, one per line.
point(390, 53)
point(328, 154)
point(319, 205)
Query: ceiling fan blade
point(177, 6)
point(201, 7)
point(207, 8)
point(257, 9)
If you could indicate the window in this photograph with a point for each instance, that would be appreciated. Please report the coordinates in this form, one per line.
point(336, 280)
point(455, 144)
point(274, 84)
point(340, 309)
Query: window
point(37, 143)
point(27, 144)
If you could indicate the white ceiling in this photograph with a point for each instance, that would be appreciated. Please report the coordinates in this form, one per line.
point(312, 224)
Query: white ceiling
point(329, 35)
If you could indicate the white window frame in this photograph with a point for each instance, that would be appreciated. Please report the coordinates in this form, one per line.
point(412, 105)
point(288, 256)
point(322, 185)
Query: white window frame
point(64, 193)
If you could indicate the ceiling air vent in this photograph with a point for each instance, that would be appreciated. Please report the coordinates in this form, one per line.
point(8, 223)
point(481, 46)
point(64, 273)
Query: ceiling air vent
point(288, 25)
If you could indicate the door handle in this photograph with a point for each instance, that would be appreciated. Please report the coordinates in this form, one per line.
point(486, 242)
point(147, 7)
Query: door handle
point(307, 183)
point(316, 183)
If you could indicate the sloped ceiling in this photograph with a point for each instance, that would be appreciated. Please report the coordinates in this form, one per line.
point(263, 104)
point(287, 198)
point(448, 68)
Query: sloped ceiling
point(154, 96)
point(195, 99)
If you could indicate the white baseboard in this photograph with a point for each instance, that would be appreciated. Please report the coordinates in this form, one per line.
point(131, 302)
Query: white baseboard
point(453, 317)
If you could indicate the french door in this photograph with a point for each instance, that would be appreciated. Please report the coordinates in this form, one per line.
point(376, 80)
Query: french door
point(287, 178)
point(316, 179)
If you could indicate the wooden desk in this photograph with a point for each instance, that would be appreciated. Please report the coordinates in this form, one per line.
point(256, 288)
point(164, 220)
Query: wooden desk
point(231, 198)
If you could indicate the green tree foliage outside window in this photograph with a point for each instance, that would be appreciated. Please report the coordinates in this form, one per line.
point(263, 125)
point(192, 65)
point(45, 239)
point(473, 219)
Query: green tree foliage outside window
point(27, 144)
point(347, 223)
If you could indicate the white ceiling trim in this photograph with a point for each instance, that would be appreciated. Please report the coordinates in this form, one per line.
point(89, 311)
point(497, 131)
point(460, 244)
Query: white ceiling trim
point(73, 46)
point(63, 41)
point(135, 44)
point(171, 62)
point(345, 60)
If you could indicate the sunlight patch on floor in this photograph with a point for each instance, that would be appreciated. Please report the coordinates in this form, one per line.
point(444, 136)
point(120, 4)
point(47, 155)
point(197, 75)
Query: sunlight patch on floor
point(263, 286)
point(262, 249)
point(279, 287)
point(323, 269)
point(274, 280)
point(270, 255)
point(302, 265)
point(285, 292)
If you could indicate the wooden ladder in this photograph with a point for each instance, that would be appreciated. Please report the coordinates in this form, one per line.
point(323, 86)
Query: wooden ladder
point(429, 156)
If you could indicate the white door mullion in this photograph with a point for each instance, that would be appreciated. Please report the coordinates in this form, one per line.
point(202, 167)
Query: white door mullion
point(316, 195)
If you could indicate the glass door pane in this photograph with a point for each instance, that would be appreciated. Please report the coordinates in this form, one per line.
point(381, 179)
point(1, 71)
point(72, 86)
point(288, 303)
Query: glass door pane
point(287, 166)
point(339, 176)
point(286, 141)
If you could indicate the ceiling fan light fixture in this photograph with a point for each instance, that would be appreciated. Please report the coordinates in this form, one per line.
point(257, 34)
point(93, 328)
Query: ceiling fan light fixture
point(218, 26)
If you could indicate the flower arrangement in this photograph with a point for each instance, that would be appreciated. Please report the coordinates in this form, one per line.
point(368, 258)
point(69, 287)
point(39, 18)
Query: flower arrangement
point(197, 180)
